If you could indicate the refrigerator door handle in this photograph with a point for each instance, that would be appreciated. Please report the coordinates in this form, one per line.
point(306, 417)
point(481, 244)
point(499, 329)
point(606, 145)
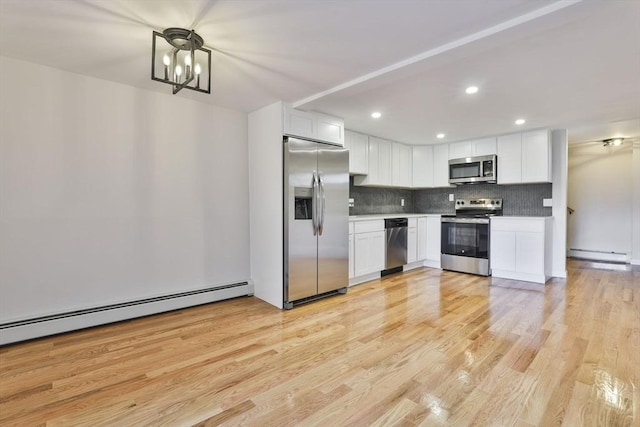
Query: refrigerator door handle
point(314, 204)
point(321, 220)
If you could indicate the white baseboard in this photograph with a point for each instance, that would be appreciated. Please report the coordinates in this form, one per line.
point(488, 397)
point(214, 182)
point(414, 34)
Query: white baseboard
point(559, 274)
point(412, 266)
point(49, 325)
point(364, 278)
point(514, 275)
point(432, 263)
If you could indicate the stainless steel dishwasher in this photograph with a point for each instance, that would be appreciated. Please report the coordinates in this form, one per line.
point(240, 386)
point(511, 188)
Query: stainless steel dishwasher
point(396, 255)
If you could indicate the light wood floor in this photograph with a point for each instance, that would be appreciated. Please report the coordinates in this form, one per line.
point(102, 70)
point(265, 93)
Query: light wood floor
point(420, 348)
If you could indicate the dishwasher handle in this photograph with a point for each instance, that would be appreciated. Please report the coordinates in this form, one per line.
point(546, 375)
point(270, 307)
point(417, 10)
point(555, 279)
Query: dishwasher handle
point(396, 222)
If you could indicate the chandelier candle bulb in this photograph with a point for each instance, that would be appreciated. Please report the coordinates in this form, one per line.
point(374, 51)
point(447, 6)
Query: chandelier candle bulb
point(178, 73)
point(187, 66)
point(166, 61)
point(197, 70)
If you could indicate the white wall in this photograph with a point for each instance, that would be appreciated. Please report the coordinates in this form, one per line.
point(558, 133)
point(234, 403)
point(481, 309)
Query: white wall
point(600, 191)
point(110, 193)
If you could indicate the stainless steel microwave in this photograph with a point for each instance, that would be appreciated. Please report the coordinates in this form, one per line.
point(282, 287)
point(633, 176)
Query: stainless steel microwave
point(470, 170)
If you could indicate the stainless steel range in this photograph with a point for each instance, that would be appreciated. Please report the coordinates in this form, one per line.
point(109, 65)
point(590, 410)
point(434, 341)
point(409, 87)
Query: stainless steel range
point(465, 236)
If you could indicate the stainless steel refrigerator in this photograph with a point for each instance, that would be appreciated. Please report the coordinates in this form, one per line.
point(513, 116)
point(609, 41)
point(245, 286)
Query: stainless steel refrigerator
point(316, 220)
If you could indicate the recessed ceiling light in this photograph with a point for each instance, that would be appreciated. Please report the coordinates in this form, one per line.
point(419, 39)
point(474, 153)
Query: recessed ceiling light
point(471, 89)
point(376, 114)
point(440, 135)
point(520, 122)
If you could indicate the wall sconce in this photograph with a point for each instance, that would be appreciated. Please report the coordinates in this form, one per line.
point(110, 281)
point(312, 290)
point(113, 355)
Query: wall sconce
point(612, 141)
point(178, 59)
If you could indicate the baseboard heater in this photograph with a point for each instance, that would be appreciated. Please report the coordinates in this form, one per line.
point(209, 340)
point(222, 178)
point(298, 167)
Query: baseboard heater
point(22, 330)
point(596, 255)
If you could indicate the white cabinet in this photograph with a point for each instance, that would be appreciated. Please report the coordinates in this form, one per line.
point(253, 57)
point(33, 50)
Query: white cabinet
point(422, 238)
point(351, 257)
point(510, 159)
point(503, 250)
point(433, 240)
point(422, 166)
point(314, 125)
point(441, 165)
point(521, 248)
point(524, 158)
point(471, 148)
point(458, 150)
point(368, 247)
point(412, 240)
point(484, 146)
point(401, 165)
point(369, 252)
point(379, 164)
point(358, 145)
point(299, 123)
point(536, 156)
point(429, 240)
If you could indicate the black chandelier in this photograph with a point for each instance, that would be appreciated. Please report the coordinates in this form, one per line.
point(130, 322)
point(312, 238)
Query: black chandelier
point(612, 141)
point(179, 59)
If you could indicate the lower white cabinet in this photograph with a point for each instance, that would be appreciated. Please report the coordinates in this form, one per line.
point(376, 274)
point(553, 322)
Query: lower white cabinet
point(412, 240)
point(521, 248)
point(422, 238)
point(433, 240)
point(369, 253)
point(352, 267)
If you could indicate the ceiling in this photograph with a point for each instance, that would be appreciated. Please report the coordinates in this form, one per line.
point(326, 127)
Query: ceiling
point(556, 64)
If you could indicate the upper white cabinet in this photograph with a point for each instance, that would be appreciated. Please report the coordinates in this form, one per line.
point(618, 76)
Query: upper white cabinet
point(484, 146)
point(441, 165)
point(510, 159)
point(458, 150)
point(401, 165)
point(524, 158)
point(536, 156)
point(379, 164)
point(313, 125)
point(330, 128)
point(299, 123)
point(422, 166)
point(358, 145)
point(471, 148)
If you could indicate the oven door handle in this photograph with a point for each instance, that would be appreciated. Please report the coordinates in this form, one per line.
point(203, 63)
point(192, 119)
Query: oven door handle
point(465, 220)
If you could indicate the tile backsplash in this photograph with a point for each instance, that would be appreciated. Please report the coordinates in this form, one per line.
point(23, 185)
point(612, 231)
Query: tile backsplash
point(370, 200)
point(518, 200)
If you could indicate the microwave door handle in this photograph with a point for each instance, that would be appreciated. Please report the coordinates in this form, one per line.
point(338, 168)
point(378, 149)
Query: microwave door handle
point(321, 221)
point(314, 204)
